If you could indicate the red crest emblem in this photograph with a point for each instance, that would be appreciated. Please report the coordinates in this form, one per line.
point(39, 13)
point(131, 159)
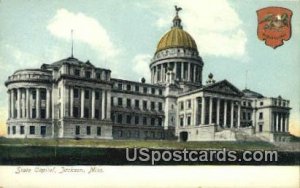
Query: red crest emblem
point(274, 25)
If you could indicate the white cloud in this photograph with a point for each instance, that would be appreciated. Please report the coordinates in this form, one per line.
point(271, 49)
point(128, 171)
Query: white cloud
point(215, 26)
point(141, 66)
point(86, 29)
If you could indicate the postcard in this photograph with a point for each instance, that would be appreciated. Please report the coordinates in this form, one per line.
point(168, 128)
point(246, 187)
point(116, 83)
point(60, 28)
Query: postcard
point(150, 93)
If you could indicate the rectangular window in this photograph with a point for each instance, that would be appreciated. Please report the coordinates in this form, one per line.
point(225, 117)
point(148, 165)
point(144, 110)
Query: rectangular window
point(261, 103)
point(33, 93)
point(76, 93)
point(97, 95)
point(98, 75)
point(128, 87)
point(152, 121)
point(43, 130)
point(189, 120)
point(43, 113)
point(88, 130)
point(261, 116)
point(77, 72)
point(181, 121)
point(128, 103)
point(120, 118)
point(128, 119)
point(96, 113)
point(260, 128)
point(181, 106)
point(120, 101)
point(86, 94)
point(249, 115)
point(160, 91)
point(160, 106)
point(77, 131)
point(22, 130)
point(137, 88)
point(43, 94)
point(33, 113)
point(31, 129)
point(98, 131)
point(136, 120)
point(153, 91)
point(145, 120)
point(76, 112)
point(86, 113)
point(244, 115)
point(160, 122)
point(119, 86)
point(14, 129)
point(189, 104)
point(152, 105)
point(87, 74)
point(145, 105)
point(145, 89)
point(112, 101)
point(137, 104)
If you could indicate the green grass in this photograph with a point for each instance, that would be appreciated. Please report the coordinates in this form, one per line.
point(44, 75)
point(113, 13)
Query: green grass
point(163, 144)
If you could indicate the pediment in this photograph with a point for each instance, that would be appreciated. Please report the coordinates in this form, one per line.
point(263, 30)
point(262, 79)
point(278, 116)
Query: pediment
point(223, 87)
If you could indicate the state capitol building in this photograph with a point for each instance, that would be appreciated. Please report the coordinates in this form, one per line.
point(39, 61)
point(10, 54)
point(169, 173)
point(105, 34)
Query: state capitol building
point(74, 99)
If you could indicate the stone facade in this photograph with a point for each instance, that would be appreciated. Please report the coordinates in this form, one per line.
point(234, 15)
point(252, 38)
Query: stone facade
point(74, 99)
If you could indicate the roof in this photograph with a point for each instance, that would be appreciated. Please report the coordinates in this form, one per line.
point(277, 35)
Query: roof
point(69, 60)
point(252, 94)
point(176, 38)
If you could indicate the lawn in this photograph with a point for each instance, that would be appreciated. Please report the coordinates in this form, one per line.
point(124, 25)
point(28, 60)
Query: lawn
point(158, 144)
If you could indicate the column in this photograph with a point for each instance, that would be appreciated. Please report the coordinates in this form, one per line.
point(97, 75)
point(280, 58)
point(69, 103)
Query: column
point(239, 115)
point(218, 111)
point(283, 122)
point(23, 104)
point(195, 73)
point(225, 113)
point(71, 100)
point(182, 70)
point(287, 123)
point(161, 72)
point(9, 103)
point(277, 123)
point(175, 70)
point(195, 112)
point(199, 73)
point(189, 72)
point(203, 111)
point(48, 99)
point(37, 103)
point(210, 109)
point(13, 102)
point(93, 103)
point(280, 122)
point(82, 103)
point(19, 103)
point(103, 104)
point(28, 103)
point(231, 113)
point(152, 75)
point(108, 105)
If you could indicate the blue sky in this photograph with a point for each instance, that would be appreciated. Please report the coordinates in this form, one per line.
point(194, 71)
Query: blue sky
point(122, 36)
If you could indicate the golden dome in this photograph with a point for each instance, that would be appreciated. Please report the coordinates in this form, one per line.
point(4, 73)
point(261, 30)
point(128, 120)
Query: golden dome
point(176, 38)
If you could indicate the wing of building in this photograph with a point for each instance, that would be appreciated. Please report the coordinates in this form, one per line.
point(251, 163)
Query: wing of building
point(74, 99)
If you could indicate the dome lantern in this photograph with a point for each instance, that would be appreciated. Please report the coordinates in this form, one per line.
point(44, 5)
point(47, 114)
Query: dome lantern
point(177, 20)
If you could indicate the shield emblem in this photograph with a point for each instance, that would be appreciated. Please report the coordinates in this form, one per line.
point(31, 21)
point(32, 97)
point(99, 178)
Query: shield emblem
point(274, 25)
